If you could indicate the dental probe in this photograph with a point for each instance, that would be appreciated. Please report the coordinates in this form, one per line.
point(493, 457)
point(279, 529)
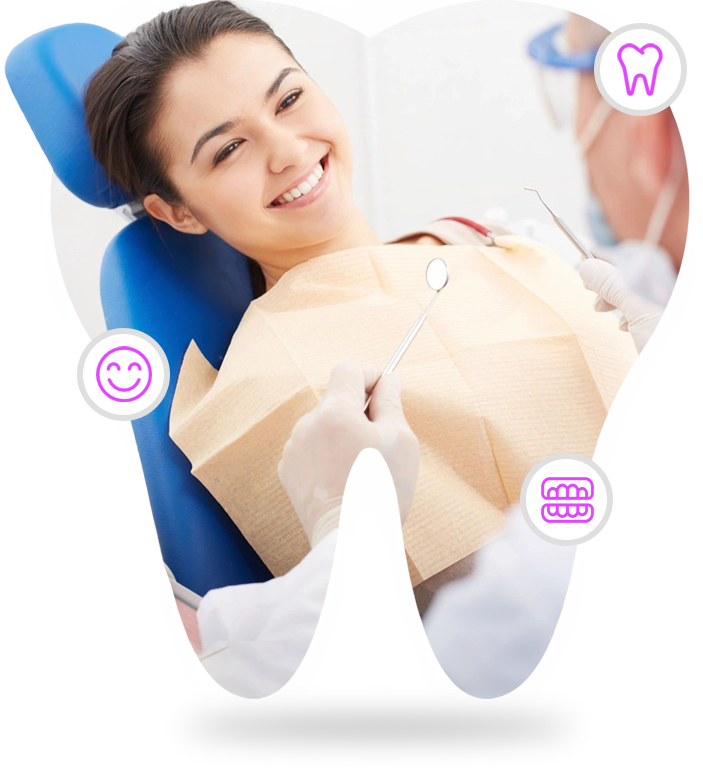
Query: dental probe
point(437, 276)
point(564, 228)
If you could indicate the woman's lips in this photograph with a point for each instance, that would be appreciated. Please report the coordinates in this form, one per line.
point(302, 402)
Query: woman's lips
point(313, 195)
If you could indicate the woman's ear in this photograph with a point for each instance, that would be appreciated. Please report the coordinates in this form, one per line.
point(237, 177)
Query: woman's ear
point(177, 216)
point(651, 150)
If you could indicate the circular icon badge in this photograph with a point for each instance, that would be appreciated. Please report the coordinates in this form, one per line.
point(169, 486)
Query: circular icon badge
point(566, 499)
point(640, 69)
point(123, 374)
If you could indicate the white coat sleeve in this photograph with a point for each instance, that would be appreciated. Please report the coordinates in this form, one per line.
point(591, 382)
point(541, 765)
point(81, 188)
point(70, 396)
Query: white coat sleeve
point(489, 630)
point(255, 636)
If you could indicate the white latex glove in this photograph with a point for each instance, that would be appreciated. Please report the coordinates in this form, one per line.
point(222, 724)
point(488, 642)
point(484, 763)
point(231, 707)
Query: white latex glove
point(325, 443)
point(640, 316)
point(646, 268)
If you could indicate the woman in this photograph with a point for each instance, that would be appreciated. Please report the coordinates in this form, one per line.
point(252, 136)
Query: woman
point(205, 115)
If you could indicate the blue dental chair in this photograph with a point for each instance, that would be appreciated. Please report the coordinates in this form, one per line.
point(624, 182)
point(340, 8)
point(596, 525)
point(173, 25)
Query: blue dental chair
point(174, 287)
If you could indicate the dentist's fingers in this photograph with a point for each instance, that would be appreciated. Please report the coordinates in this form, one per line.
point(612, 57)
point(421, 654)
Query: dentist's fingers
point(349, 382)
point(326, 442)
point(606, 280)
point(385, 405)
point(600, 305)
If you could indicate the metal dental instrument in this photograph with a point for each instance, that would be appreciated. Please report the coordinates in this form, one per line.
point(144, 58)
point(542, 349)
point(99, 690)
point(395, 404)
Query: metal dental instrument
point(437, 276)
point(564, 228)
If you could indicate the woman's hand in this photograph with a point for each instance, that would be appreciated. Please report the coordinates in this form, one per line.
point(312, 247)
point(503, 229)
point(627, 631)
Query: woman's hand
point(325, 443)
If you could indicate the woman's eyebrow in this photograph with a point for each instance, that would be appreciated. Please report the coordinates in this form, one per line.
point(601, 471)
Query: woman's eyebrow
point(229, 125)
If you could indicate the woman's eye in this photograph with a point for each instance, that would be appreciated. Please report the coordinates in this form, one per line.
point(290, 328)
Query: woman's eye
point(223, 154)
point(287, 102)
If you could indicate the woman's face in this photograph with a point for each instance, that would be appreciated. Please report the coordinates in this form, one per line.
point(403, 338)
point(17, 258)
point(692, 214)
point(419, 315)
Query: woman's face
point(240, 129)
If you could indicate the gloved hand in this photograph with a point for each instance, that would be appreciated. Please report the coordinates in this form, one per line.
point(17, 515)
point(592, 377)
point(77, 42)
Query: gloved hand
point(640, 316)
point(325, 443)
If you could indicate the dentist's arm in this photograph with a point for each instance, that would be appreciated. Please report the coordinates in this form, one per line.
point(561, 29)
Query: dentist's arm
point(255, 636)
point(489, 630)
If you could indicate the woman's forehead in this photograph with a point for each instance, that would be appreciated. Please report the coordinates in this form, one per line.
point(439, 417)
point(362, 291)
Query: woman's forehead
point(230, 80)
point(244, 60)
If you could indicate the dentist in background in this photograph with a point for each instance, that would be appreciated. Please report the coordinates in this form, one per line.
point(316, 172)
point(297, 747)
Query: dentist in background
point(639, 200)
point(647, 675)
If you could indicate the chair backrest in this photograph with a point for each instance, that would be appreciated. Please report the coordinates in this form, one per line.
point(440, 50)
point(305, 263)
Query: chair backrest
point(172, 286)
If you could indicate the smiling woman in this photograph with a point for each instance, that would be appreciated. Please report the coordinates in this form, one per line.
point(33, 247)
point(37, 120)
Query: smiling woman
point(204, 114)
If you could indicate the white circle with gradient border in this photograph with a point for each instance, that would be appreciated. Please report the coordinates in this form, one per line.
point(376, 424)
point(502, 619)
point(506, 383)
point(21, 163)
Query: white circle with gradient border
point(564, 479)
point(123, 374)
point(640, 69)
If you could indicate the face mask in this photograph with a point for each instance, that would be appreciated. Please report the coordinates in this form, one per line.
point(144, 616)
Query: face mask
point(598, 226)
point(646, 266)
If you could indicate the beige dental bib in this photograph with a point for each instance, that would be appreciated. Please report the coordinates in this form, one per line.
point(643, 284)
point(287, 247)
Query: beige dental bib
point(513, 365)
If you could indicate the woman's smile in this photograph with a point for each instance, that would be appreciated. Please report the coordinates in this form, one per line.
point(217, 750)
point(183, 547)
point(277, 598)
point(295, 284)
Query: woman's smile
point(304, 198)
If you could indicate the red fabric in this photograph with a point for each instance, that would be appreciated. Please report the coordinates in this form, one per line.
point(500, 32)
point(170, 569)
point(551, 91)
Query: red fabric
point(178, 623)
point(471, 223)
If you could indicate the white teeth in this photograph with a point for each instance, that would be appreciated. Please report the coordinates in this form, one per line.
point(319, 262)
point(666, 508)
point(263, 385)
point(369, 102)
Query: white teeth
point(302, 188)
point(640, 64)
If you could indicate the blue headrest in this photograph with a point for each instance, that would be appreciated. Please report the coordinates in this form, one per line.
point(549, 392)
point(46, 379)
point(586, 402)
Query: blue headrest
point(174, 287)
point(47, 73)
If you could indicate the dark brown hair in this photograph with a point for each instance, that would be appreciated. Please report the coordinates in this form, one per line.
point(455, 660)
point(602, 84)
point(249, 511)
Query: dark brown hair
point(124, 96)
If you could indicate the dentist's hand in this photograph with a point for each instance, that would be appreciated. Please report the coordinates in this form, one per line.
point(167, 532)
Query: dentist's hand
point(640, 316)
point(325, 443)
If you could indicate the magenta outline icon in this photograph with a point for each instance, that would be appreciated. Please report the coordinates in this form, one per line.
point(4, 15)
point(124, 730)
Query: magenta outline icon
point(567, 500)
point(138, 379)
point(630, 87)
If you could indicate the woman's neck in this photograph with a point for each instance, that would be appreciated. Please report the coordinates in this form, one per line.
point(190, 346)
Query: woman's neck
point(357, 234)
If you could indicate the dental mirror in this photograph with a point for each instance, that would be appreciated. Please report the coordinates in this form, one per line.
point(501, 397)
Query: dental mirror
point(437, 274)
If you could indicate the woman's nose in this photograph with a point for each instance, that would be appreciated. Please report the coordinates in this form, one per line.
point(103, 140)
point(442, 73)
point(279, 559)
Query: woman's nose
point(287, 151)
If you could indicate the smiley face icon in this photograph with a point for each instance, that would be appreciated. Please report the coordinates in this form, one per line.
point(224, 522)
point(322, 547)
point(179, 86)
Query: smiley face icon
point(124, 374)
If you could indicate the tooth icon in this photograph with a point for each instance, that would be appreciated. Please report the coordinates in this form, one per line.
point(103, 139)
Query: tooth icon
point(640, 63)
